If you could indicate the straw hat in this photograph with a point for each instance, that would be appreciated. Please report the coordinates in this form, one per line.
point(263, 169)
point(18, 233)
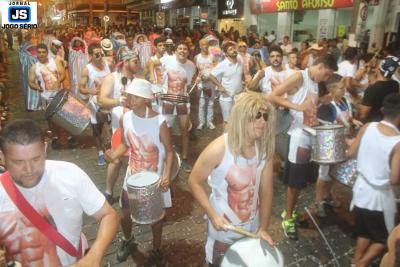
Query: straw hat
point(106, 44)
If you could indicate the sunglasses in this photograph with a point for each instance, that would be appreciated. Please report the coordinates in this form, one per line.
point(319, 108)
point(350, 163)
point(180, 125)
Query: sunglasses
point(261, 114)
point(242, 46)
point(98, 55)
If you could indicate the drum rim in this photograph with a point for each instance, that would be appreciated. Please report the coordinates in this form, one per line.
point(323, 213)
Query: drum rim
point(250, 238)
point(141, 173)
point(328, 127)
point(48, 114)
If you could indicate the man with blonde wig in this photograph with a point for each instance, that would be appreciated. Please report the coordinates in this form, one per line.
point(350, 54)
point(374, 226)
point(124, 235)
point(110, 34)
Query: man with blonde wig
point(238, 168)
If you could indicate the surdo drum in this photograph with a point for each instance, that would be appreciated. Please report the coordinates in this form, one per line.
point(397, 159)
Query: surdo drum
point(328, 143)
point(145, 198)
point(68, 112)
point(345, 172)
point(252, 252)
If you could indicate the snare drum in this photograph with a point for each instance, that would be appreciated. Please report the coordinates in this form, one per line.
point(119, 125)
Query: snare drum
point(145, 197)
point(252, 252)
point(176, 99)
point(68, 112)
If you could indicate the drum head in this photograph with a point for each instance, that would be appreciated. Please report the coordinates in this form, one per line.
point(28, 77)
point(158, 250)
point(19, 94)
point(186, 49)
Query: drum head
point(142, 179)
point(252, 252)
point(55, 104)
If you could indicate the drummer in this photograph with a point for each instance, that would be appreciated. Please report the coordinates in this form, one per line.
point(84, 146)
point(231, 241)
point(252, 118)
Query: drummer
point(338, 111)
point(238, 168)
point(47, 76)
point(302, 100)
point(91, 79)
point(146, 133)
point(377, 147)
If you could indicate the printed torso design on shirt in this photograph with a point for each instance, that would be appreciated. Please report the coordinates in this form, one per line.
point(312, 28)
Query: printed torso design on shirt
point(176, 76)
point(241, 182)
point(205, 64)
point(142, 135)
point(47, 74)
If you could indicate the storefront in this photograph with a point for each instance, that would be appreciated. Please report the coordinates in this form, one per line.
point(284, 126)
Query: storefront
point(306, 19)
point(230, 14)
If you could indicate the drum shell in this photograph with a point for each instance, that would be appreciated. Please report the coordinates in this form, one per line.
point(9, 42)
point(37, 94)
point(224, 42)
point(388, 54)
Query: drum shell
point(252, 252)
point(345, 172)
point(145, 202)
point(68, 112)
point(328, 144)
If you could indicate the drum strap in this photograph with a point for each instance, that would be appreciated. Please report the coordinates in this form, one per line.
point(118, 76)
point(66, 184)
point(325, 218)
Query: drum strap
point(36, 219)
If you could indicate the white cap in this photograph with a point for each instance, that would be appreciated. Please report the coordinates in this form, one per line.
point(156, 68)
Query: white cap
point(140, 87)
point(57, 42)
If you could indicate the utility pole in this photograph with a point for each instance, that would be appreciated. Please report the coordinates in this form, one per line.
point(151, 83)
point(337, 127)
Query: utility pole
point(105, 14)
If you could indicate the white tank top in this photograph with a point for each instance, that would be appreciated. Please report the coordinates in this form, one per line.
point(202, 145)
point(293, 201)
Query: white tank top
point(93, 73)
point(142, 135)
point(205, 64)
point(235, 186)
point(309, 88)
point(375, 166)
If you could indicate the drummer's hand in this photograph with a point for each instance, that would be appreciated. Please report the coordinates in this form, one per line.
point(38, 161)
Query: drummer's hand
point(357, 123)
point(108, 155)
point(307, 105)
point(223, 91)
point(219, 223)
point(265, 236)
point(165, 183)
point(260, 74)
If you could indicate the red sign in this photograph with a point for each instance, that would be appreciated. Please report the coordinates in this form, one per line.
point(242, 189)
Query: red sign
point(272, 6)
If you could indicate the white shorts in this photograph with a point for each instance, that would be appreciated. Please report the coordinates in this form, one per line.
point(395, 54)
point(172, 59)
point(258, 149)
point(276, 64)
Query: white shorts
point(299, 139)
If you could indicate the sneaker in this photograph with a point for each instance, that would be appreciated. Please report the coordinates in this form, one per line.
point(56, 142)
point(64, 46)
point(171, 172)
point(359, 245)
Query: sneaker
point(200, 126)
point(155, 258)
point(333, 203)
point(125, 249)
point(210, 125)
point(289, 228)
point(320, 209)
point(101, 160)
point(295, 215)
point(109, 198)
point(185, 166)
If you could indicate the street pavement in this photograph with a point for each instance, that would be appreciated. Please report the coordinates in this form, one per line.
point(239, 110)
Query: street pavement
point(185, 226)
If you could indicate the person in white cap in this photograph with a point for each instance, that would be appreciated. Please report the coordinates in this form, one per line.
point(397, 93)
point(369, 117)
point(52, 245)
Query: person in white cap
point(89, 86)
point(147, 135)
point(112, 97)
point(108, 52)
point(57, 50)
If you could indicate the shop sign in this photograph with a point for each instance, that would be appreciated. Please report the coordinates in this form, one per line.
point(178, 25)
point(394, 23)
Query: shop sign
point(166, 4)
point(230, 9)
point(160, 19)
point(272, 6)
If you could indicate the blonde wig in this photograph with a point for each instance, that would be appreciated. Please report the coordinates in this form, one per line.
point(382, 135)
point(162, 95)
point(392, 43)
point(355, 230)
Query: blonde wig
point(244, 112)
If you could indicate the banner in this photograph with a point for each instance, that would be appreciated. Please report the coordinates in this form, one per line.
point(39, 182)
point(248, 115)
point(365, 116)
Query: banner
point(272, 6)
point(230, 9)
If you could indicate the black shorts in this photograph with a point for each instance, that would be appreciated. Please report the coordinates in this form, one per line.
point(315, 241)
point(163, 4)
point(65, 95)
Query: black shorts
point(301, 175)
point(370, 224)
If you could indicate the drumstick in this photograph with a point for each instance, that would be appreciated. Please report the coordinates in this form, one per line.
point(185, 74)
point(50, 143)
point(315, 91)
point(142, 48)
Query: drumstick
point(241, 231)
point(323, 237)
point(194, 86)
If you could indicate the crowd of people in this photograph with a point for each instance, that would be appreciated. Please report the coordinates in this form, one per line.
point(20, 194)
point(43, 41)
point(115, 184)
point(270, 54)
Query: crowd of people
point(139, 80)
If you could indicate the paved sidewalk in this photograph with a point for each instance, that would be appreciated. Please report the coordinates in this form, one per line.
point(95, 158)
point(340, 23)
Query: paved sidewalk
point(185, 226)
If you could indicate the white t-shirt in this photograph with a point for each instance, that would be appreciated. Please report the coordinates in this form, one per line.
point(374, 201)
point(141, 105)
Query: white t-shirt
point(230, 76)
point(176, 72)
point(64, 193)
point(346, 69)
